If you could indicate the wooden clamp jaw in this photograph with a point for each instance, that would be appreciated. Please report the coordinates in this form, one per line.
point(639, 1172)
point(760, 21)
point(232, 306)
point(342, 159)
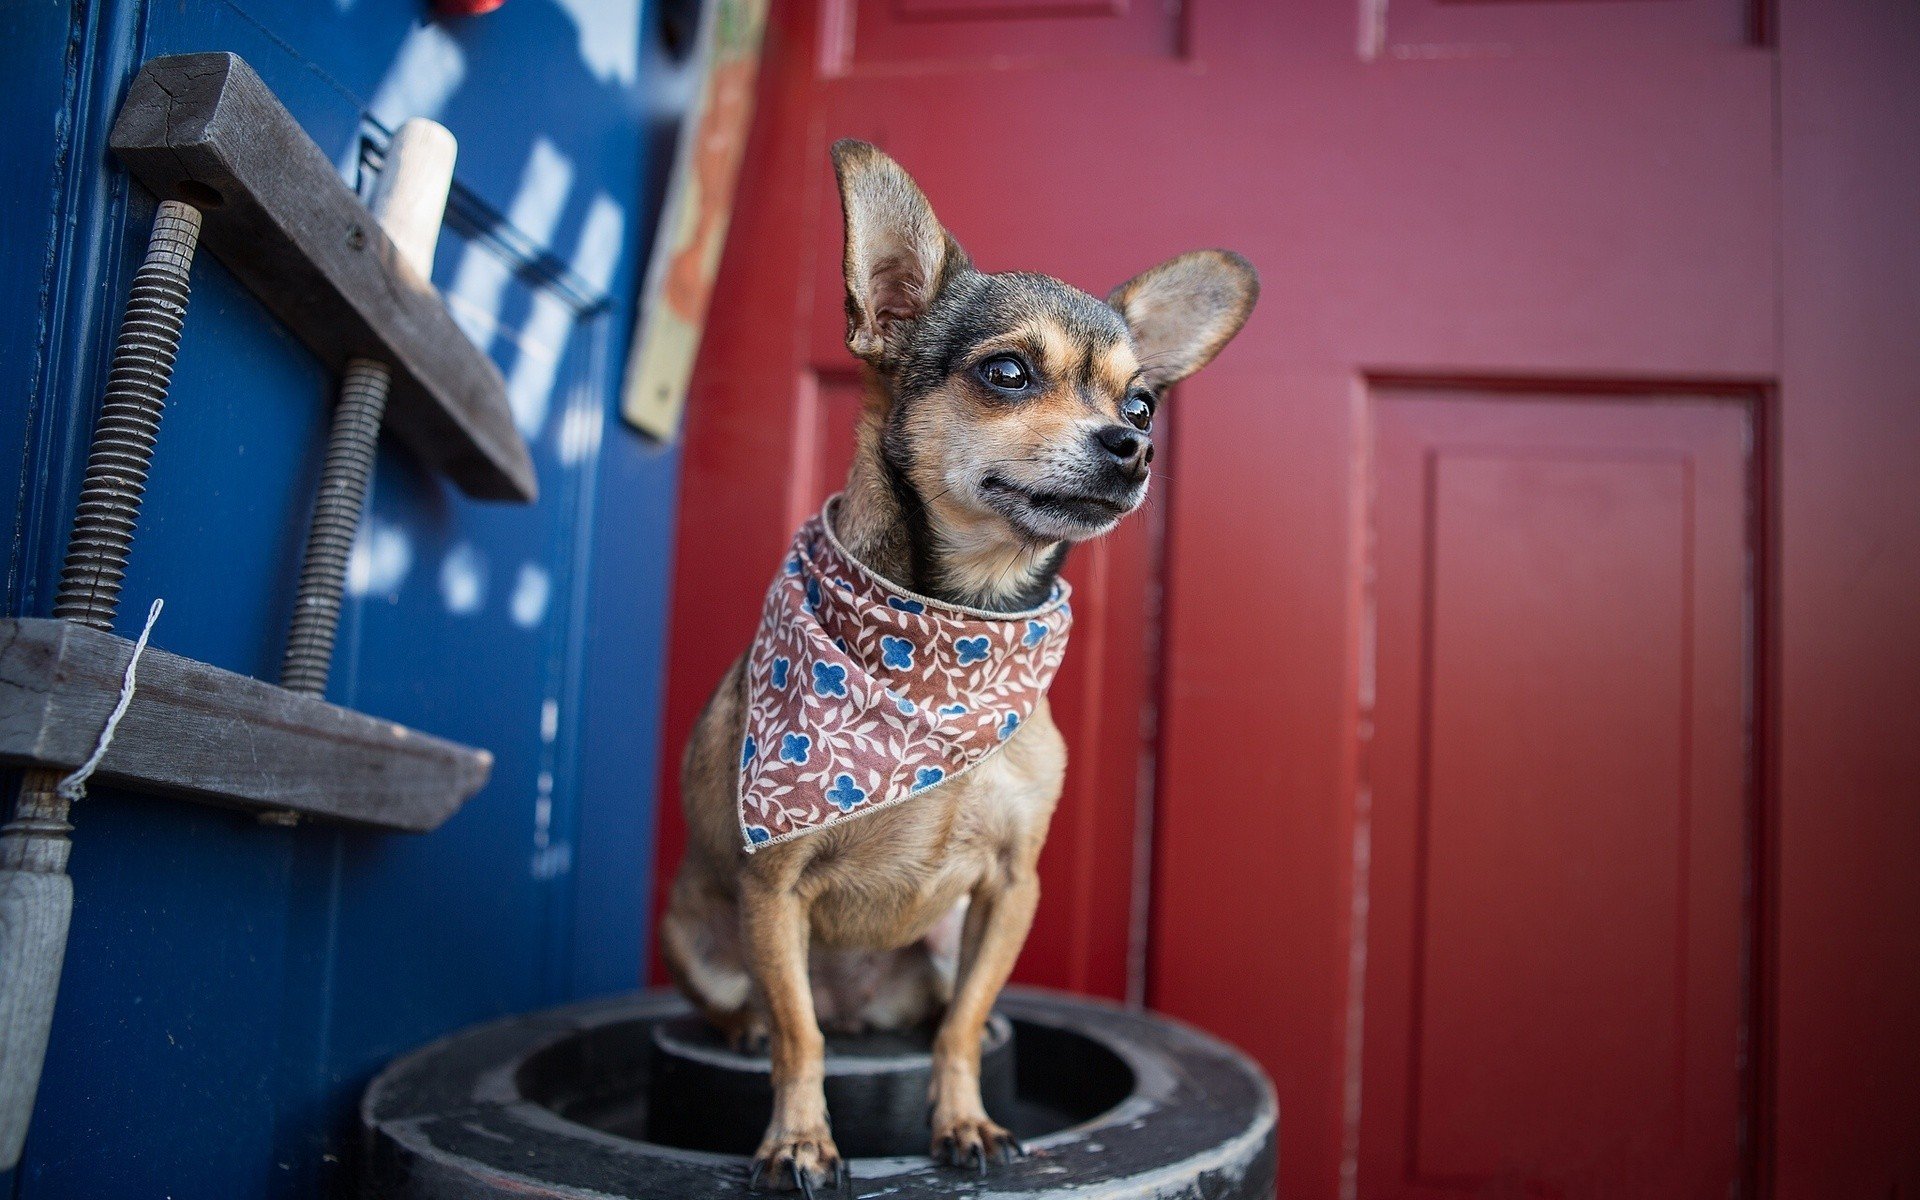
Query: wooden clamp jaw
point(203, 128)
point(202, 733)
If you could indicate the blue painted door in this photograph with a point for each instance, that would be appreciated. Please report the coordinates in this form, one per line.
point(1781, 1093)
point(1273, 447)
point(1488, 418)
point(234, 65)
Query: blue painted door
point(230, 986)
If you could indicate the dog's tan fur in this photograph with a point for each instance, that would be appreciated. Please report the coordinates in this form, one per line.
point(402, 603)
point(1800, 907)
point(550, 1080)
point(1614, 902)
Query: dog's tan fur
point(919, 910)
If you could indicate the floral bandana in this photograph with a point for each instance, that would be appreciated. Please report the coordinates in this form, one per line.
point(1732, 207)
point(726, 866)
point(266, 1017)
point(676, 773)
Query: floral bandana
point(860, 694)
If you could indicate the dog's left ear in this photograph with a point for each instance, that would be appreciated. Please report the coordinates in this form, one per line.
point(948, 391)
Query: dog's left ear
point(898, 255)
point(1184, 310)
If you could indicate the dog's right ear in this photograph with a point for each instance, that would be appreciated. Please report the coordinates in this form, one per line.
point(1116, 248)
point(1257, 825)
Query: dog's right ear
point(897, 253)
point(1184, 310)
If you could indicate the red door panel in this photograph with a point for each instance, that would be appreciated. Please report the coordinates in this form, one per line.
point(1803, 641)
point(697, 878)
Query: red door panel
point(825, 410)
point(1560, 798)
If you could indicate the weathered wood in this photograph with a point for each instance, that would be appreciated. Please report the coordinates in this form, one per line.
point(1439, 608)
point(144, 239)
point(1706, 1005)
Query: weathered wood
point(409, 196)
point(203, 128)
point(212, 735)
point(35, 909)
point(693, 221)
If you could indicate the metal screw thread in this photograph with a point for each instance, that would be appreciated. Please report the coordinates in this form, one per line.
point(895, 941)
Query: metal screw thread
point(336, 518)
point(110, 495)
point(129, 422)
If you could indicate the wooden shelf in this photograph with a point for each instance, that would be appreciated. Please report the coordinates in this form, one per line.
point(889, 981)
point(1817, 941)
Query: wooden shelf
point(210, 735)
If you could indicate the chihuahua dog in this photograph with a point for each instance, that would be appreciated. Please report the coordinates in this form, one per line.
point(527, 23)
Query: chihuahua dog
point(1006, 417)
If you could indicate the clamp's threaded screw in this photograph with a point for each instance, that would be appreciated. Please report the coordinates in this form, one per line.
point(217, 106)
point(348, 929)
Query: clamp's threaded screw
point(408, 200)
point(116, 482)
point(129, 423)
point(351, 444)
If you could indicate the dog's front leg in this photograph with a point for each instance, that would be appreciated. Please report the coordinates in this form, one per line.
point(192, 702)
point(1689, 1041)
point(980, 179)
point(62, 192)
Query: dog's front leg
point(798, 1150)
point(997, 922)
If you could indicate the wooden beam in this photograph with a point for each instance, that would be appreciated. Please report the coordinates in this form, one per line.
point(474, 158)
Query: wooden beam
point(203, 128)
point(211, 735)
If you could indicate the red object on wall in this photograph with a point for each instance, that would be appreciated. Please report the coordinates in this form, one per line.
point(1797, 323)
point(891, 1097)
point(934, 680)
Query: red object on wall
point(1527, 735)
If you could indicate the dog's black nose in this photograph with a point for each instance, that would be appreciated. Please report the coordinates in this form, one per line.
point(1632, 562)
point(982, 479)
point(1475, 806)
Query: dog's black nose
point(1130, 449)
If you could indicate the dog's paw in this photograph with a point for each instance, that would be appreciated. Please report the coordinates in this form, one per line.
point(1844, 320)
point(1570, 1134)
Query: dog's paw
point(971, 1143)
point(807, 1162)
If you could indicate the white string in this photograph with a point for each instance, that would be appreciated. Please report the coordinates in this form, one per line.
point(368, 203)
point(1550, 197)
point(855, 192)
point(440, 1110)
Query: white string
point(74, 786)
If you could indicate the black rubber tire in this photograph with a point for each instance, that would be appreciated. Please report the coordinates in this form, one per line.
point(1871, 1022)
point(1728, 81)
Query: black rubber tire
point(457, 1121)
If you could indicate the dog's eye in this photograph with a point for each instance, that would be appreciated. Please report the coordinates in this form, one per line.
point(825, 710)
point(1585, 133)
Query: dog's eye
point(1138, 410)
point(1005, 372)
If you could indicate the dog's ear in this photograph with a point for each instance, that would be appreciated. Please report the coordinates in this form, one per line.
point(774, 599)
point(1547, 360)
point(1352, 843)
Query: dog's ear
point(897, 253)
point(1184, 310)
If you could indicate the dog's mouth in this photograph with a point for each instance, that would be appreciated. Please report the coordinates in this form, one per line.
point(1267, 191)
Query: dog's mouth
point(1055, 514)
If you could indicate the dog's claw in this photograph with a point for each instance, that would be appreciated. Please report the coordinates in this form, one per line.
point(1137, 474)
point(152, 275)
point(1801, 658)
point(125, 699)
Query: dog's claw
point(809, 1165)
point(975, 1146)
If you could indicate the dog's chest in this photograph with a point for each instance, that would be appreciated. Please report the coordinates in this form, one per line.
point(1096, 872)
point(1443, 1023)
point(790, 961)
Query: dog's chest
point(883, 880)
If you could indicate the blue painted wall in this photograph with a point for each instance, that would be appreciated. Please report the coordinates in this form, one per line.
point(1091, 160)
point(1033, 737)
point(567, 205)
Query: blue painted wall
point(230, 986)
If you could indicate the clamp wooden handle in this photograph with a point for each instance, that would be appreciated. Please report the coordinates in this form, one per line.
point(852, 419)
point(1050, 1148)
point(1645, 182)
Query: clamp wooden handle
point(410, 196)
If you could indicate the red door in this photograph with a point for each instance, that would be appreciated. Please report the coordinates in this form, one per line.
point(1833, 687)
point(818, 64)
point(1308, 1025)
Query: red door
point(1422, 731)
point(1556, 796)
